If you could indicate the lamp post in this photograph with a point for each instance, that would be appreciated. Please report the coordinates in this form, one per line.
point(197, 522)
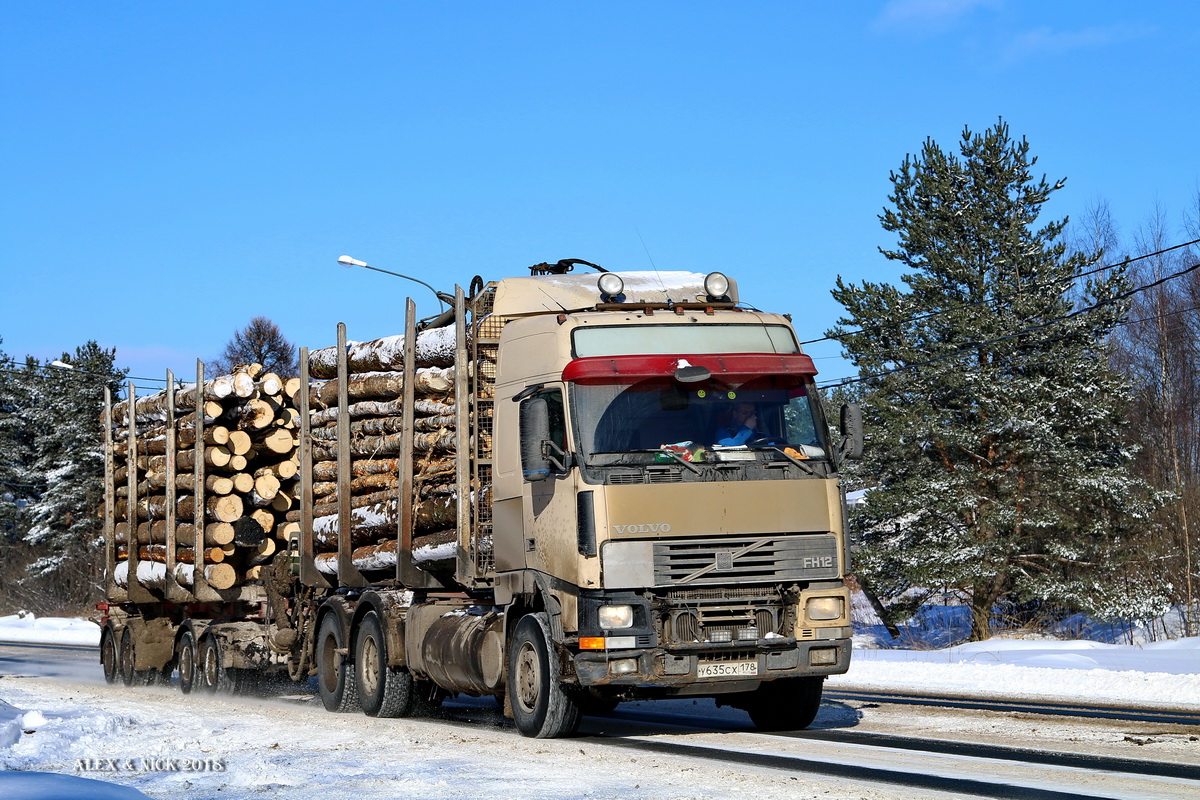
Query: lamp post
point(347, 262)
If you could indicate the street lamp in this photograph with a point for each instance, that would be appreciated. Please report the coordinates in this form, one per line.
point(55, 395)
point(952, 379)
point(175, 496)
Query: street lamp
point(347, 262)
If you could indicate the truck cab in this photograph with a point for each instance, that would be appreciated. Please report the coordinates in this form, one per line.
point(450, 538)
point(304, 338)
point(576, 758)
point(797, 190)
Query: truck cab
point(680, 550)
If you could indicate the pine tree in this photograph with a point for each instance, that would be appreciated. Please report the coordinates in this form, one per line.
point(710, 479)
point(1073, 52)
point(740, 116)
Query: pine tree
point(997, 447)
point(260, 342)
point(18, 485)
point(65, 418)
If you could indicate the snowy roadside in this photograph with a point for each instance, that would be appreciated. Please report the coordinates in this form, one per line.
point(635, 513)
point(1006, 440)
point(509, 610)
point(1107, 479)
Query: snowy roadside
point(197, 748)
point(25, 628)
point(1040, 670)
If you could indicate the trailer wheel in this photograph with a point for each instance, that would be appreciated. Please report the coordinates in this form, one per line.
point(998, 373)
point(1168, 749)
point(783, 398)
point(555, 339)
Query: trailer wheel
point(108, 655)
point(335, 676)
point(541, 705)
point(125, 658)
point(785, 704)
point(213, 676)
point(185, 656)
point(383, 691)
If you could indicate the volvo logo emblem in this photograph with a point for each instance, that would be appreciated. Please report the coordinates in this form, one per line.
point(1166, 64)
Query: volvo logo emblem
point(651, 527)
point(725, 560)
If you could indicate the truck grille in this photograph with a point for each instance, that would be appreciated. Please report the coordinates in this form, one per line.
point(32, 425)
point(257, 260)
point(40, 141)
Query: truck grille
point(775, 557)
point(650, 476)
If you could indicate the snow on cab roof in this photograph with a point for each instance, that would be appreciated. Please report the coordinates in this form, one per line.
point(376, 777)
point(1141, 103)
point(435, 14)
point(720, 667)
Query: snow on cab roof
point(541, 293)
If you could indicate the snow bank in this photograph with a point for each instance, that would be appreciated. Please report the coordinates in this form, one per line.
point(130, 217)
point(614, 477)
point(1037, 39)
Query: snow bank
point(48, 786)
point(1031, 673)
point(24, 628)
point(16, 724)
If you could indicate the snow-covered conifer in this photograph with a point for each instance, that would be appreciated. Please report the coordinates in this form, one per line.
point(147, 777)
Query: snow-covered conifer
point(996, 430)
point(65, 418)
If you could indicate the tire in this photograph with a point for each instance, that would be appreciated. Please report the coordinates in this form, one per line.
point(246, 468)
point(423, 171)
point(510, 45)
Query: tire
point(383, 691)
point(213, 676)
point(129, 676)
point(108, 656)
point(185, 657)
point(335, 674)
point(785, 704)
point(542, 707)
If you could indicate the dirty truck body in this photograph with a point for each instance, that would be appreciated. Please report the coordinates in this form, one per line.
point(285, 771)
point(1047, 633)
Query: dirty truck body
point(607, 547)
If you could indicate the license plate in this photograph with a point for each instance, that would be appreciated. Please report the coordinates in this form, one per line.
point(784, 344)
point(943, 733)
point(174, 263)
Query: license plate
point(726, 669)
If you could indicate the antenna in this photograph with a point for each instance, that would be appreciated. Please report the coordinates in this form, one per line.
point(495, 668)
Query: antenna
point(652, 264)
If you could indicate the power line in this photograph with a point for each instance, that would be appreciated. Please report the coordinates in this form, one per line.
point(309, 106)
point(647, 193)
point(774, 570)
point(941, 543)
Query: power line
point(1023, 332)
point(29, 373)
point(939, 312)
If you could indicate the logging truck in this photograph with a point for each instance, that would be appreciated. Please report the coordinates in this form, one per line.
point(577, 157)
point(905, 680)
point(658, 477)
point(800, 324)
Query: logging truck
point(564, 492)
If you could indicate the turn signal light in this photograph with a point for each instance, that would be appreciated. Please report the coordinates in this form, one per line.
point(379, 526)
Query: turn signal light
point(591, 642)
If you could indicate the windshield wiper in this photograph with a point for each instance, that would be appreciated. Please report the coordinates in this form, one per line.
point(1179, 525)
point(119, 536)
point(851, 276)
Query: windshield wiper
point(798, 462)
point(681, 460)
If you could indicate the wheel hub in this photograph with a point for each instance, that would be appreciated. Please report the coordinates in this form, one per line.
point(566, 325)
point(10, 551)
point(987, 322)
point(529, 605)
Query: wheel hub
point(528, 677)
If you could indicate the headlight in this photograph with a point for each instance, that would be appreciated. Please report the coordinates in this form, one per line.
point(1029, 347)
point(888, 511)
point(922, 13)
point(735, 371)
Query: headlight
point(824, 608)
point(716, 285)
point(611, 284)
point(616, 617)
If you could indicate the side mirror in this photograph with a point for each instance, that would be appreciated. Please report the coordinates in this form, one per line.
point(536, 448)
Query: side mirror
point(535, 432)
point(852, 432)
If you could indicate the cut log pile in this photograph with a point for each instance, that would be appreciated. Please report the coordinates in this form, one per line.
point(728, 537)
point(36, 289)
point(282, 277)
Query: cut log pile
point(376, 377)
point(248, 445)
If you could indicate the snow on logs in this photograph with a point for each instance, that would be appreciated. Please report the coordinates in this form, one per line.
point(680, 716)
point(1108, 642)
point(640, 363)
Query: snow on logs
point(375, 383)
point(249, 448)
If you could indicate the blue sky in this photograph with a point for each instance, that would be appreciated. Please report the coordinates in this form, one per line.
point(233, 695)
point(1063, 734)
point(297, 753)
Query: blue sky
point(170, 170)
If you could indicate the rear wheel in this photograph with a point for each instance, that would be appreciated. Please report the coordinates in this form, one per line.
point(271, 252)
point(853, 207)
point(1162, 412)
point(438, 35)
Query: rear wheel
point(335, 676)
point(108, 655)
point(541, 705)
point(129, 676)
point(786, 704)
point(383, 691)
point(213, 675)
point(185, 657)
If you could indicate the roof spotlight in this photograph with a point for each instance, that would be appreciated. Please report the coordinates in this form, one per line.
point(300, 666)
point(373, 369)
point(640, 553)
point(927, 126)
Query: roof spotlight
point(611, 285)
point(716, 286)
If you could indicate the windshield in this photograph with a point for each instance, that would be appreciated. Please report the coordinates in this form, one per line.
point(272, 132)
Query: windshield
point(707, 421)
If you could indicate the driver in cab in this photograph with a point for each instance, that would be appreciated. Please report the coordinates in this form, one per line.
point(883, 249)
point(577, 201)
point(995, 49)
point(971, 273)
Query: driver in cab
point(743, 419)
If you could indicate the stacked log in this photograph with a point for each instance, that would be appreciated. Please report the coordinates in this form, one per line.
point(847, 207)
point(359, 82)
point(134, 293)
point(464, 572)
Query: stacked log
point(249, 446)
point(375, 384)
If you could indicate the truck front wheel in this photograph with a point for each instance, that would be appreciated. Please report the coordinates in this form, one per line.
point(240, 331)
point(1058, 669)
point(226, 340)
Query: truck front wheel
point(786, 704)
point(383, 691)
point(335, 676)
point(541, 706)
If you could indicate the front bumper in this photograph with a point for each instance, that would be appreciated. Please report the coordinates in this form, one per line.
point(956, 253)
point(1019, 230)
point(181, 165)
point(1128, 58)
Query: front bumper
point(677, 670)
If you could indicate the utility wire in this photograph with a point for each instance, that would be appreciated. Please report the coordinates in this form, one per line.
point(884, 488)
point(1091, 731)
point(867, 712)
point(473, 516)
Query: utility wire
point(939, 312)
point(1023, 332)
point(54, 370)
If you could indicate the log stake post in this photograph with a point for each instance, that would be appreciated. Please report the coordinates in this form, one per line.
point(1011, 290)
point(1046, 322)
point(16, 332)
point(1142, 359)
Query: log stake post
point(407, 572)
point(137, 592)
point(348, 575)
point(111, 591)
point(309, 575)
point(174, 592)
point(465, 566)
point(200, 586)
